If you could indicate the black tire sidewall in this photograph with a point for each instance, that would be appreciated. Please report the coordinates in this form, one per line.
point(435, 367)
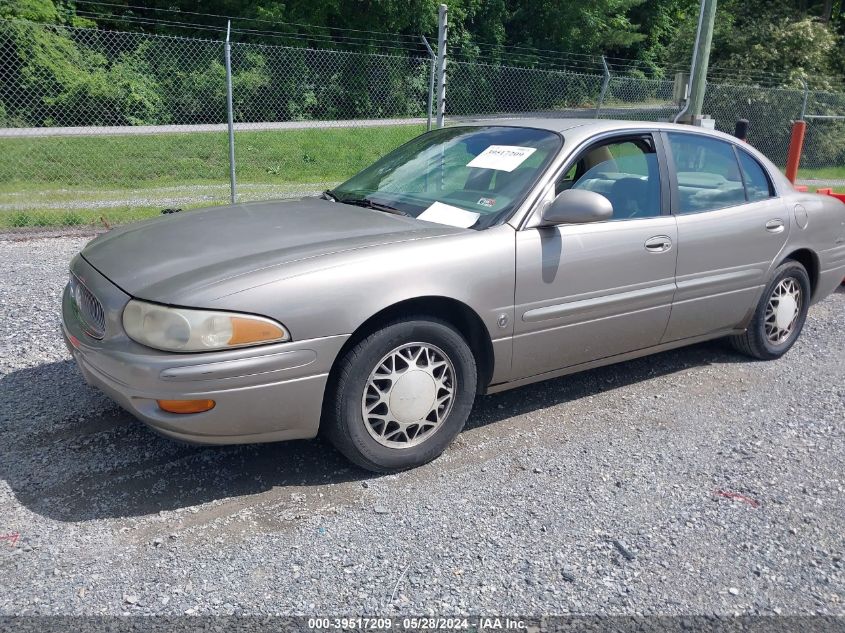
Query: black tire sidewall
point(796, 271)
point(361, 362)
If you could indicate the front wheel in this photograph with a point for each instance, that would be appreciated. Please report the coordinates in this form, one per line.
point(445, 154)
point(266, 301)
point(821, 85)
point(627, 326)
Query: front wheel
point(401, 395)
point(780, 314)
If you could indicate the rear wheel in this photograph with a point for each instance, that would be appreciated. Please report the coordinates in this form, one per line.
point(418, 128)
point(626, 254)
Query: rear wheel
point(780, 314)
point(401, 395)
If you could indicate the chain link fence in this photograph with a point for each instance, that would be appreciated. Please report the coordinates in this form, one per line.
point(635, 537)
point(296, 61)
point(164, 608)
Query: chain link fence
point(770, 112)
point(477, 90)
point(481, 90)
point(638, 99)
point(823, 158)
point(103, 127)
point(307, 119)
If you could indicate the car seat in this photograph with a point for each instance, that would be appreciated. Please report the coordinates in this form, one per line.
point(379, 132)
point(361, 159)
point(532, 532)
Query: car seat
point(633, 197)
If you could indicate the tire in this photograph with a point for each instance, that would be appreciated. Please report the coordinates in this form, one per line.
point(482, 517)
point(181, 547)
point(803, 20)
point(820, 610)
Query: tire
point(764, 339)
point(393, 376)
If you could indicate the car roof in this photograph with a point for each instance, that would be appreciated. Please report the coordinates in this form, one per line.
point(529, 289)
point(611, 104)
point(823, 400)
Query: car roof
point(587, 126)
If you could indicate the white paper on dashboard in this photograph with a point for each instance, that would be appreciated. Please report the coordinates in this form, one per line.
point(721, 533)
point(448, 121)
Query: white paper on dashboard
point(502, 157)
point(447, 214)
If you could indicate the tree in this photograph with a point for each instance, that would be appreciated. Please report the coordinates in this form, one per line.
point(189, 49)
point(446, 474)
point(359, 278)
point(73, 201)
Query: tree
point(755, 40)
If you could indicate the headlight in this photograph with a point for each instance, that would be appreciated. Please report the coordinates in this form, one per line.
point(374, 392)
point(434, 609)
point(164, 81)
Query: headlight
point(187, 330)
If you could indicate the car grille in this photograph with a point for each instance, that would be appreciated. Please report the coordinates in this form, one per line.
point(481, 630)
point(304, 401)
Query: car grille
point(88, 309)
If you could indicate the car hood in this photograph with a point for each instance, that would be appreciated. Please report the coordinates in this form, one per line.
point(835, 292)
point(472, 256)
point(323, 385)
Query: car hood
point(170, 259)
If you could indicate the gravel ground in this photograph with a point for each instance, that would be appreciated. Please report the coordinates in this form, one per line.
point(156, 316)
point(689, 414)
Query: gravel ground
point(595, 493)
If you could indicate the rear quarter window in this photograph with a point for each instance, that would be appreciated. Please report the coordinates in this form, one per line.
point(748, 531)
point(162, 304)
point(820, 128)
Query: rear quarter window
point(708, 173)
point(757, 183)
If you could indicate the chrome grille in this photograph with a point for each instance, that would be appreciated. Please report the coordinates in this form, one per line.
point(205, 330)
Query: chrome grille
point(88, 309)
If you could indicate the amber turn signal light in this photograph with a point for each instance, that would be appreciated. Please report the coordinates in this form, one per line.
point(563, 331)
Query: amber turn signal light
point(185, 406)
point(246, 331)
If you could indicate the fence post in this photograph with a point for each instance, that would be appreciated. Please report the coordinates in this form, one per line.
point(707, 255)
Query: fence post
point(796, 144)
point(804, 101)
point(441, 64)
point(232, 185)
point(432, 72)
point(604, 85)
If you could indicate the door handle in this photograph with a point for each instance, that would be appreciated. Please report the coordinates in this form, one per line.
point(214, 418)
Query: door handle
point(775, 226)
point(658, 244)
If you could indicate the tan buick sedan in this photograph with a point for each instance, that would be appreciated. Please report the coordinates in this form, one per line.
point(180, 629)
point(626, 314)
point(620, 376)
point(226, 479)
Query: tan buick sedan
point(470, 260)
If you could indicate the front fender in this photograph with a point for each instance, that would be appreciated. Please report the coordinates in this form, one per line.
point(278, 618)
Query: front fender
point(336, 294)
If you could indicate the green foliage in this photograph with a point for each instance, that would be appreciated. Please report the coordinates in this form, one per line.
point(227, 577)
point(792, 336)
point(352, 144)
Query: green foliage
point(33, 10)
point(756, 38)
point(190, 81)
point(55, 81)
point(793, 48)
point(596, 27)
point(68, 77)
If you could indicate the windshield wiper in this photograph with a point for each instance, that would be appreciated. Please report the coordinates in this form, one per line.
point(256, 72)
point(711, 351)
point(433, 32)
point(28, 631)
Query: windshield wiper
point(372, 204)
point(327, 194)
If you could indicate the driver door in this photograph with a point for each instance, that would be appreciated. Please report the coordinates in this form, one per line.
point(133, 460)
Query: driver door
point(591, 291)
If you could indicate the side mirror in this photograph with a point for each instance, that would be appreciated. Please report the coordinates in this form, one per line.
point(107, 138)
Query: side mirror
point(577, 206)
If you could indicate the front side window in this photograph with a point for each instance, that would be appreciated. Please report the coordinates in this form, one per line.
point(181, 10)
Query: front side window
point(461, 176)
point(626, 172)
point(707, 171)
point(757, 185)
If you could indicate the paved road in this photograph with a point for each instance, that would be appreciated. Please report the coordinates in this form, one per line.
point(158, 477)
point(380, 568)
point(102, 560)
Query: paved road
point(127, 130)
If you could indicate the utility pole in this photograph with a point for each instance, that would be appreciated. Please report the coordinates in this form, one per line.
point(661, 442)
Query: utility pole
point(441, 64)
point(701, 58)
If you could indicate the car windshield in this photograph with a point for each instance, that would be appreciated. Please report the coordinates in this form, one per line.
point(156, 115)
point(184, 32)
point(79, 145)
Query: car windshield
point(461, 176)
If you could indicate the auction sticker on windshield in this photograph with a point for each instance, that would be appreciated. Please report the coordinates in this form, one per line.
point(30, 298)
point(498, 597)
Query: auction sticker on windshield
point(502, 157)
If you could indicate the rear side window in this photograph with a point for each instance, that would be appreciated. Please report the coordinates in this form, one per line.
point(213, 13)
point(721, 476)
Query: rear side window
point(708, 173)
point(757, 185)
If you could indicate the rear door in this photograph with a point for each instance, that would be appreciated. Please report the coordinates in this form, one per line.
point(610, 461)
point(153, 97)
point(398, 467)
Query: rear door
point(731, 227)
point(590, 291)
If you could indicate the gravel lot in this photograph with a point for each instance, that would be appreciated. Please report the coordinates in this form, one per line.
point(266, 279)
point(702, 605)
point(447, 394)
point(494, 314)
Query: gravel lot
point(592, 493)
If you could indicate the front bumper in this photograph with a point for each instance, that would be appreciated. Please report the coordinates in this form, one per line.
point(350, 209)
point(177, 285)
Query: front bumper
point(262, 394)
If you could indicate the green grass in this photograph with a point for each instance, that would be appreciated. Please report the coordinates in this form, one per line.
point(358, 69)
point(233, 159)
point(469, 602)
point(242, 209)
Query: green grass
point(55, 181)
point(129, 161)
point(824, 173)
point(85, 217)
